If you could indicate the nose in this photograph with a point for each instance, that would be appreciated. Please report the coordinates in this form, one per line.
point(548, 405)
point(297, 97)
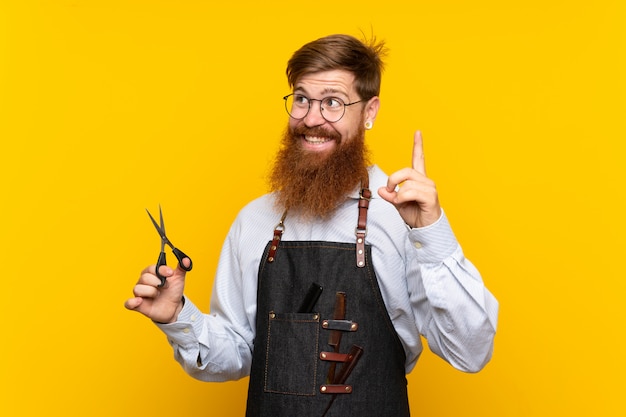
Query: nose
point(314, 116)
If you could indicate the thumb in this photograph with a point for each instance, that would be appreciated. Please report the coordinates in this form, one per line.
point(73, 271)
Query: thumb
point(186, 263)
point(181, 269)
point(387, 195)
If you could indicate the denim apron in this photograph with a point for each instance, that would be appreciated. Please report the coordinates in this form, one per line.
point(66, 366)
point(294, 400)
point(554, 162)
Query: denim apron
point(291, 367)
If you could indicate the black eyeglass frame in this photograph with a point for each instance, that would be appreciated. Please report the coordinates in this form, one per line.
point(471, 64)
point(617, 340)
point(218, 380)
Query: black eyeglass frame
point(310, 100)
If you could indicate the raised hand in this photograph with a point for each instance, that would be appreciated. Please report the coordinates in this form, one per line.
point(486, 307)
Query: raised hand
point(412, 192)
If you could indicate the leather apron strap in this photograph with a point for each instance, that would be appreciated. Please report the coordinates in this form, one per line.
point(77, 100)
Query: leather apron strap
point(365, 195)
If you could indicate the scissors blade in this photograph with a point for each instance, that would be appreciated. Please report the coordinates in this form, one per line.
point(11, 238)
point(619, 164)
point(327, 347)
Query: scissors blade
point(160, 230)
point(156, 225)
point(164, 238)
point(162, 223)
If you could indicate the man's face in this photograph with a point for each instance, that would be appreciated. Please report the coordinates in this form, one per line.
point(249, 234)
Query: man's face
point(320, 162)
point(316, 134)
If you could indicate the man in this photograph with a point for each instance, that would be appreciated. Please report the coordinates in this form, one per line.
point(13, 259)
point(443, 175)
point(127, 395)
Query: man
point(323, 287)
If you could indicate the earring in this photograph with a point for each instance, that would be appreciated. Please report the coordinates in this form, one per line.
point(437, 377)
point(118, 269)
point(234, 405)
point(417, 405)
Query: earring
point(369, 124)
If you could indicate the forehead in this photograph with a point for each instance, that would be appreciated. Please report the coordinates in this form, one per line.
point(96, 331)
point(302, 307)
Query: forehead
point(327, 82)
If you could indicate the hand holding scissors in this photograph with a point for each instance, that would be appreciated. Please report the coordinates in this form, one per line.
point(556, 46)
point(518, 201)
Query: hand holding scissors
point(165, 241)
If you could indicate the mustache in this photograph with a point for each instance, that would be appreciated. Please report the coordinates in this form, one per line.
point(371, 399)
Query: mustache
point(317, 131)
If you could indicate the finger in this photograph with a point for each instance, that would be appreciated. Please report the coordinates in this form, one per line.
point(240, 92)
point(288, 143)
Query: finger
point(399, 177)
point(133, 303)
point(418, 153)
point(175, 277)
point(164, 270)
point(423, 194)
point(145, 291)
point(148, 276)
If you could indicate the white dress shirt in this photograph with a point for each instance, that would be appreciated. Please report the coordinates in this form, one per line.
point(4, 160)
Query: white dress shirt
point(428, 286)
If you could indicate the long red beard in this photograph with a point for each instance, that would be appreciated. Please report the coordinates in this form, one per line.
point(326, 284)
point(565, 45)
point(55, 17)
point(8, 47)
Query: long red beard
point(312, 184)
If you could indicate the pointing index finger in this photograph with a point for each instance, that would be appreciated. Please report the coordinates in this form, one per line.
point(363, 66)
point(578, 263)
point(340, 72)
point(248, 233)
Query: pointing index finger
point(418, 153)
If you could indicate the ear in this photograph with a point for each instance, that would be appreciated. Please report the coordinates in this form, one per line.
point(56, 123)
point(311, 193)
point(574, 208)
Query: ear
point(371, 109)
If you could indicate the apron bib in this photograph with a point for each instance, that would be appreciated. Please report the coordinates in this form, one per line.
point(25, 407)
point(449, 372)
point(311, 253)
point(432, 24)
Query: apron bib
point(295, 371)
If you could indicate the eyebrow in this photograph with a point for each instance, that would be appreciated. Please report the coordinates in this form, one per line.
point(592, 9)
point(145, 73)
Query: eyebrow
point(325, 92)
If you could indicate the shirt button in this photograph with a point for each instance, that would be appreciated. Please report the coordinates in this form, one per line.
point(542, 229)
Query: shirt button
point(418, 245)
point(186, 330)
point(193, 317)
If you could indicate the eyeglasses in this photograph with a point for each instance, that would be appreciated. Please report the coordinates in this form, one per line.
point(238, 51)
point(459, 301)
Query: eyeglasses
point(331, 108)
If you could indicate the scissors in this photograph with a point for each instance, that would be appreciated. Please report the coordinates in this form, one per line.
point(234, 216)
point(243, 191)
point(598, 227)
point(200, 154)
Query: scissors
point(165, 241)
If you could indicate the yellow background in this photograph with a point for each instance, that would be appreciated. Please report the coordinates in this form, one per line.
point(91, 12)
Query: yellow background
point(109, 107)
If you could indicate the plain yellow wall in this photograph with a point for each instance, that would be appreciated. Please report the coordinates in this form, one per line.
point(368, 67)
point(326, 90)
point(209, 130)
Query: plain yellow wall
point(108, 107)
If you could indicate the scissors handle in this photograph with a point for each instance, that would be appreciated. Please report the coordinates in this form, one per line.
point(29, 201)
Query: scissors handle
point(179, 254)
point(162, 261)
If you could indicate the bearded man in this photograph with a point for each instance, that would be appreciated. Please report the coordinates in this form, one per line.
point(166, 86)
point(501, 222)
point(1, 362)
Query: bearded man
point(324, 287)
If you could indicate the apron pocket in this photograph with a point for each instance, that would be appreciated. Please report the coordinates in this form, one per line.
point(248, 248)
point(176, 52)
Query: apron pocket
point(292, 350)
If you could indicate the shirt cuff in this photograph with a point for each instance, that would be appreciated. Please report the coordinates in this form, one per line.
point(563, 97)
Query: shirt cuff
point(434, 242)
point(187, 328)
